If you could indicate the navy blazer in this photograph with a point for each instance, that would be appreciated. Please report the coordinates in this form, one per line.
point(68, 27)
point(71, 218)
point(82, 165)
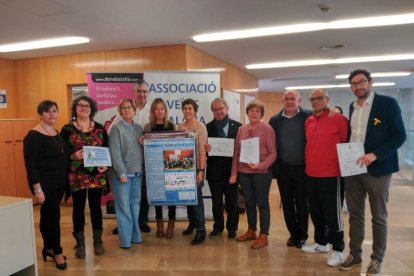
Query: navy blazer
point(218, 167)
point(276, 123)
point(385, 134)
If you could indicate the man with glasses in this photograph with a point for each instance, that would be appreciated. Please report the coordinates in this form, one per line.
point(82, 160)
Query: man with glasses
point(142, 118)
point(289, 167)
point(218, 172)
point(322, 167)
point(375, 121)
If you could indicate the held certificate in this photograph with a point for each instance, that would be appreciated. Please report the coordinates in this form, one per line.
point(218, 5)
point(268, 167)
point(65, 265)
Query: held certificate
point(250, 150)
point(348, 154)
point(221, 146)
point(96, 156)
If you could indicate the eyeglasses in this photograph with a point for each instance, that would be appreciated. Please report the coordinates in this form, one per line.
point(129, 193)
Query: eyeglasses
point(359, 83)
point(128, 107)
point(83, 105)
point(320, 98)
point(219, 109)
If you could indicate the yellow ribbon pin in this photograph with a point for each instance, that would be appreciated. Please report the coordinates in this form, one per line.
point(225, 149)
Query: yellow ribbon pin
point(377, 121)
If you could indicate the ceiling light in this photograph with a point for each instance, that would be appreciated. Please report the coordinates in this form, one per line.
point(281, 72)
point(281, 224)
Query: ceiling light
point(324, 86)
point(276, 30)
point(252, 90)
point(309, 27)
point(379, 75)
point(218, 69)
point(297, 63)
point(47, 43)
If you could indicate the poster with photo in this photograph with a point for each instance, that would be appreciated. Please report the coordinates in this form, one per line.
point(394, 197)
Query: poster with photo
point(171, 170)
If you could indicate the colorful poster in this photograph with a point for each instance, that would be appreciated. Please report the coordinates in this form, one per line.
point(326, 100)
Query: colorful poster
point(171, 170)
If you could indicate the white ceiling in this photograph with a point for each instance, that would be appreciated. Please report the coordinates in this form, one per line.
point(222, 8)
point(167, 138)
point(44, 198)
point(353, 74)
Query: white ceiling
point(139, 23)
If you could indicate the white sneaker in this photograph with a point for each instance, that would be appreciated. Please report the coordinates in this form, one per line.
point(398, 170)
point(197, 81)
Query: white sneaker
point(335, 258)
point(315, 248)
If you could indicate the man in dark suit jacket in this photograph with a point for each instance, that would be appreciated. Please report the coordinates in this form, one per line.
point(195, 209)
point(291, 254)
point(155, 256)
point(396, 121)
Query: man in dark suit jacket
point(289, 167)
point(218, 172)
point(375, 121)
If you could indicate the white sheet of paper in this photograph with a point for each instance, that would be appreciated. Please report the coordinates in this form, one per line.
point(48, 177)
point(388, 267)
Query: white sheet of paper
point(221, 146)
point(348, 154)
point(96, 156)
point(250, 151)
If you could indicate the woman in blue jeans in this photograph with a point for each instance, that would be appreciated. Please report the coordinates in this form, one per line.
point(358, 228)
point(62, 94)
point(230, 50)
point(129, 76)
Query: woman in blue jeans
point(126, 173)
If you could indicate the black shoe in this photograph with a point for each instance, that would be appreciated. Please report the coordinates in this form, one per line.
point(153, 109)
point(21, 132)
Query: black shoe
point(300, 243)
point(61, 266)
point(189, 230)
point(115, 231)
point(199, 237)
point(145, 228)
point(291, 242)
point(231, 235)
point(242, 210)
point(214, 234)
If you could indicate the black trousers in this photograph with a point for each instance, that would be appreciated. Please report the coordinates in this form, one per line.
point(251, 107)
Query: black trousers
point(292, 187)
point(50, 219)
point(326, 212)
point(171, 212)
point(144, 206)
point(219, 189)
point(79, 202)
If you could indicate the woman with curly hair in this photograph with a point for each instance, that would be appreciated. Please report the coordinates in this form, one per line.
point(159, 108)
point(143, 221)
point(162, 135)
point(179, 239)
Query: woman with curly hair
point(85, 181)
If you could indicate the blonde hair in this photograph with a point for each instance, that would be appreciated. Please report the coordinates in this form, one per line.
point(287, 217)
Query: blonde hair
point(122, 101)
point(152, 119)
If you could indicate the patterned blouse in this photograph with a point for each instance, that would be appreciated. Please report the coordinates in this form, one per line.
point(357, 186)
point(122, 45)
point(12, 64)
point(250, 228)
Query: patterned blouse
point(79, 176)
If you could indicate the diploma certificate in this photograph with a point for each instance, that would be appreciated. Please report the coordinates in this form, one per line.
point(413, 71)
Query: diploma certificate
point(221, 146)
point(96, 156)
point(250, 151)
point(348, 154)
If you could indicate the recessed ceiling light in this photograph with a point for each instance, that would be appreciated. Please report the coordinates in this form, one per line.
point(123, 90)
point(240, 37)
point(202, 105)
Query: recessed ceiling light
point(379, 75)
point(46, 43)
point(376, 21)
point(324, 86)
point(298, 63)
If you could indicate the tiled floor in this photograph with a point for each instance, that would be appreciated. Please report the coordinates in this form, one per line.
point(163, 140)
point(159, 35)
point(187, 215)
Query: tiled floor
point(220, 256)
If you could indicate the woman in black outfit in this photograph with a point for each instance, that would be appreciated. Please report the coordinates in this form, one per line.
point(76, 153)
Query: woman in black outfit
point(46, 158)
point(159, 122)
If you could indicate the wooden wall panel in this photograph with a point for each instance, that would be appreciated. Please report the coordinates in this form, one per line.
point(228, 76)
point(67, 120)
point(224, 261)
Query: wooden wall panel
point(272, 102)
point(172, 57)
point(7, 83)
point(232, 78)
point(125, 61)
point(78, 65)
point(7, 174)
point(29, 85)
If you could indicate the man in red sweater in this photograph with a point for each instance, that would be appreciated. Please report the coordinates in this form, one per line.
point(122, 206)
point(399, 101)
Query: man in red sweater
point(322, 167)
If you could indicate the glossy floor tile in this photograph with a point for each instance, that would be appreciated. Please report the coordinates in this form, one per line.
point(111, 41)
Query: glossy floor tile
point(220, 256)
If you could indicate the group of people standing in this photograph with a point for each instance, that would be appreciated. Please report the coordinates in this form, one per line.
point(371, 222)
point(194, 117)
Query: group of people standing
point(307, 170)
point(297, 147)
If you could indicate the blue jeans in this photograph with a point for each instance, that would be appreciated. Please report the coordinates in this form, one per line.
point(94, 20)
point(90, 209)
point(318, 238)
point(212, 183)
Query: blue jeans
point(196, 212)
point(127, 204)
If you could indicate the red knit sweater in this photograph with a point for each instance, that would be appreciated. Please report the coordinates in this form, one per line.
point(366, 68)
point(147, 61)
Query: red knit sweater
point(322, 135)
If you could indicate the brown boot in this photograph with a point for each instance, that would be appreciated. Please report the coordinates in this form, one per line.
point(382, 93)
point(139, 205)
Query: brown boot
point(170, 229)
point(260, 242)
point(249, 235)
point(160, 228)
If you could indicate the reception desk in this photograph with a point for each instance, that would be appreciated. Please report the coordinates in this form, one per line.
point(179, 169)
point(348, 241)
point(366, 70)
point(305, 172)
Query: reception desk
point(17, 238)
